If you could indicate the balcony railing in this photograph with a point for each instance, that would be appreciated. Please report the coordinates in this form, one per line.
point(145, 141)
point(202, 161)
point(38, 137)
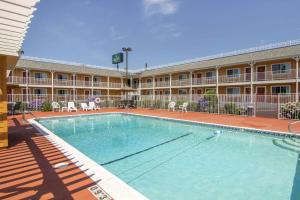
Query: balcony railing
point(84, 83)
point(39, 81)
point(16, 80)
point(182, 82)
point(274, 75)
point(237, 78)
point(62, 82)
point(147, 85)
point(114, 85)
point(162, 84)
point(100, 84)
point(204, 81)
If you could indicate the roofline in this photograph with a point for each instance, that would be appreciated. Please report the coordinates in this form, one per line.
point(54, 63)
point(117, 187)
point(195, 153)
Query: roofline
point(262, 48)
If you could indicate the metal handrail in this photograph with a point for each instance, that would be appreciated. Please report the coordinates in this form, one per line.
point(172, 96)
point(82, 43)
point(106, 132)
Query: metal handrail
point(290, 127)
point(27, 112)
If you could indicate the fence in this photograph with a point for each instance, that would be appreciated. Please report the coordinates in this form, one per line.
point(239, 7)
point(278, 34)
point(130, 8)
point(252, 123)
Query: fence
point(282, 106)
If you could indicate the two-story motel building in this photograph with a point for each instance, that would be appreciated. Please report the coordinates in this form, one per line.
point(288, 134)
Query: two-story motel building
point(265, 70)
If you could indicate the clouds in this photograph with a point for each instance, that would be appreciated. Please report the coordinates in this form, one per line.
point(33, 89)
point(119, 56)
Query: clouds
point(160, 7)
point(116, 35)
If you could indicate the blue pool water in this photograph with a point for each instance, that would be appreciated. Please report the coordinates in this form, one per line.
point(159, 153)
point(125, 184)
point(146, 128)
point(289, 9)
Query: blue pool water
point(166, 159)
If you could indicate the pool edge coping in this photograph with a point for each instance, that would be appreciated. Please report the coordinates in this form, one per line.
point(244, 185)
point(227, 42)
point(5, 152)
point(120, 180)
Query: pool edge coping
point(110, 183)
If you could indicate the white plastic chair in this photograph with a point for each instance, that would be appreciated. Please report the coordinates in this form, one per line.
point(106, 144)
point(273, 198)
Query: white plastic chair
point(71, 107)
point(93, 106)
point(55, 106)
point(183, 107)
point(171, 106)
point(85, 107)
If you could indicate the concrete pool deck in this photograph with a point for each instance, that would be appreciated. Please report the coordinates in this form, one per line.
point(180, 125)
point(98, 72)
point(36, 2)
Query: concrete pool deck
point(26, 166)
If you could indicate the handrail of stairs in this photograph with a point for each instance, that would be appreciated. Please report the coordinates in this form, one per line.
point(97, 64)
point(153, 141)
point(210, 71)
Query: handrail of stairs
point(27, 112)
point(290, 126)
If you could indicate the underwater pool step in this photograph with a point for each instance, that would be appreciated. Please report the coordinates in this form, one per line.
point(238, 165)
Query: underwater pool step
point(282, 144)
point(291, 142)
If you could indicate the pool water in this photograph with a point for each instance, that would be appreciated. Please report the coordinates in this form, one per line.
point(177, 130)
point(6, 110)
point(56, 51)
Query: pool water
point(165, 159)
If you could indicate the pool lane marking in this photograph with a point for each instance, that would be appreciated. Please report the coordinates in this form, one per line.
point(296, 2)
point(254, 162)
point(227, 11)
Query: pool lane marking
point(147, 149)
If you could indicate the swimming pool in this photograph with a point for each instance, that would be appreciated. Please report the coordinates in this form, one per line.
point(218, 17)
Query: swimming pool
point(166, 159)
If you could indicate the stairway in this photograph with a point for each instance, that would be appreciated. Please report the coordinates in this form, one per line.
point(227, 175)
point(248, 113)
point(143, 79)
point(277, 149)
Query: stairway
point(290, 144)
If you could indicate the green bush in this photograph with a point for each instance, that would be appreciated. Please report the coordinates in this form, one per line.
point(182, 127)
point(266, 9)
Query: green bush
point(231, 108)
point(290, 110)
point(212, 101)
point(46, 107)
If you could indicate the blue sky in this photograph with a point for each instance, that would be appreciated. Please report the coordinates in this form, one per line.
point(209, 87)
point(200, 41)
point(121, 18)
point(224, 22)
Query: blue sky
point(159, 31)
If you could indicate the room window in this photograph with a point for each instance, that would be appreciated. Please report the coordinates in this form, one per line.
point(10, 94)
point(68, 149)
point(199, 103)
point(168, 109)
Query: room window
point(280, 89)
point(233, 72)
point(210, 74)
point(281, 68)
point(233, 90)
point(182, 76)
point(167, 92)
point(62, 76)
point(62, 92)
point(40, 75)
point(182, 91)
point(96, 92)
point(39, 91)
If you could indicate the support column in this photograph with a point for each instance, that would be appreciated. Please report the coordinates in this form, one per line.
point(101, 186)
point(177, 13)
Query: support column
point(74, 87)
point(92, 86)
point(140, 88)
point(217, 80)
point(251, 82)
point(108, 85)
point(27, 83)
point(52, 86)
point(153, 88)
point(170, 87)
point(191, 86)
point(297, 79)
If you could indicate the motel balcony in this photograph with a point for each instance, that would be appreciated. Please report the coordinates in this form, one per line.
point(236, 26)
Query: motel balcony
point(147, 85)
point(99, 84)
point(275, 75)
point(204, 81)
point(237, 78)
point(162, 84)
point(115, 85)
point(182, 82)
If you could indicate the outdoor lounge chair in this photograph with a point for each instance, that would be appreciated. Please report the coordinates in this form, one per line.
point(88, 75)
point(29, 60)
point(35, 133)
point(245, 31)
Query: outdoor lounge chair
point(93, 106)
point(171, 106)
point(183, 107)
point(85, 107)
point(55, 106)
point(71, 107)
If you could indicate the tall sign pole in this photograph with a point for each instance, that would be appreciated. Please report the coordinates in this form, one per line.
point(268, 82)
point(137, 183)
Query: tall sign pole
point(126, 50)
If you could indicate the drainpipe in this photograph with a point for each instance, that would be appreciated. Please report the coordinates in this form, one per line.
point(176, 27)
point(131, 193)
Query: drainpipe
point(108, 85)
point(92, 86)
point(191, 86)
point(74, 85)
point(140, 88)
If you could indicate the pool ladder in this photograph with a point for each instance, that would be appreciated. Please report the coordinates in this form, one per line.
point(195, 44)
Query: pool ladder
point(27, 112)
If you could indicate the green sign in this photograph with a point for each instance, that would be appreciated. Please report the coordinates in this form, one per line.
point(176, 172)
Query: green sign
point(117, 58)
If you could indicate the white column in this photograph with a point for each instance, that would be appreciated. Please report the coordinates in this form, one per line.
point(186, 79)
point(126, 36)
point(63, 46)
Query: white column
point(27, 83)
point(52, 85)
point(92, 85)
point(74, 85)
point(191, 86)
point(217, 80)
point(108, 85)
point(170, 87)
point(140, 88)
point(297, 79)
point(251, 81)
point(153, 87)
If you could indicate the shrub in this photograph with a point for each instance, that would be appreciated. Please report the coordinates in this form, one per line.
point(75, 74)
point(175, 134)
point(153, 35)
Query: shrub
point(231, 108)
point(290, 110)
point(46, 107)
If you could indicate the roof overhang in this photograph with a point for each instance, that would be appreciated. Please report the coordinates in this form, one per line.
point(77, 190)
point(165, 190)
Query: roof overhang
point(15, 17)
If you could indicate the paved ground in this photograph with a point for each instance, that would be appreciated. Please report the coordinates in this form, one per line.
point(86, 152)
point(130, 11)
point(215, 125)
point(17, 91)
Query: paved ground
point(26, 166)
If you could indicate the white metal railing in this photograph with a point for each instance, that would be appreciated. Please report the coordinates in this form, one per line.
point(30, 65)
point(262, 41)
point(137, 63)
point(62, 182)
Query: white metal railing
point(273, 75)
point(204, 81)
point(147, 85)
point(83, 83)
point(39, 81)
point(235, 78)
point(162, 84)
point(16, 80)
point(182, 82)
point(100, 84)
point(115, 85)
point(62, 82)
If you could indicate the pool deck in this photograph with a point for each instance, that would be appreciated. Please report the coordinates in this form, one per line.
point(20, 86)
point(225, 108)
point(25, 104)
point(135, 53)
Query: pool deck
point(27, 165)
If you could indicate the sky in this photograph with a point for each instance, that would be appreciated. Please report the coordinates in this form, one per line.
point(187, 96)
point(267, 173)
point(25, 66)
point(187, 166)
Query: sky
point(158, 31)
